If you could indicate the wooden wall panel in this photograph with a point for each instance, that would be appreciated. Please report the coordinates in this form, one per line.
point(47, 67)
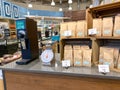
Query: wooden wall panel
point(30, 81)
point(75, 15)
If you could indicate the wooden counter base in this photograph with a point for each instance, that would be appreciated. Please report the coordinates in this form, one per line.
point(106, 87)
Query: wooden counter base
point(36, 81)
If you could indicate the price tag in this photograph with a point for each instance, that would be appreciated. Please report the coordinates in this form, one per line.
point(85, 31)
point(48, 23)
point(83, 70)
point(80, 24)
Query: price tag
point(1, 74)
point(92, 31)
point(104, 68)
point(68, 33)
point(66, 63)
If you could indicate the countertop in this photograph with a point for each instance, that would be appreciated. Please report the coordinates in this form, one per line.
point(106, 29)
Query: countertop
point(37, 67)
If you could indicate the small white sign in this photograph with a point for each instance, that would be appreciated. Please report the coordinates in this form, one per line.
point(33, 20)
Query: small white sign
point(1, 74)
point(67, 33)
point(104, 68)
point(66, 63)
point(92, 31)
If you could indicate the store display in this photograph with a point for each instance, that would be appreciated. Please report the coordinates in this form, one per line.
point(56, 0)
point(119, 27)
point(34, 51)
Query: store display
point(97, 24)
point(87, 57)
point(77, 55)
point(107, 26)
point(81, 30)
point(4, 26)
point(116, 31)
point(109, 56)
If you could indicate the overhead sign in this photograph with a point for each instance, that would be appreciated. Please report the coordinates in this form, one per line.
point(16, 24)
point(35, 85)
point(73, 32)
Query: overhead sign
point(15, 11)
point(7, 9)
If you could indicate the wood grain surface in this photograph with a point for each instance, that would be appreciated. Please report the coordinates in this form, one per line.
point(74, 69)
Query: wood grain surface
point(32, 81)
point(1, 85)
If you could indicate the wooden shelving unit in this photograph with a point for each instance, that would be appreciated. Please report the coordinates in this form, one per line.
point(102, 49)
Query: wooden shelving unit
point(74, 41)
point(11, 27)
point(108, 10)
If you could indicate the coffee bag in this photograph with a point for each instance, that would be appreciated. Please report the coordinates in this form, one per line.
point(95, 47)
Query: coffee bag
point(108, 57)
point(87, 56)
point(63, 27)
point(97, 24)
point(72, 28)
point(81, 28)
point(68, 54)
point(77, 56)
point(107, 26)
point(116, 31)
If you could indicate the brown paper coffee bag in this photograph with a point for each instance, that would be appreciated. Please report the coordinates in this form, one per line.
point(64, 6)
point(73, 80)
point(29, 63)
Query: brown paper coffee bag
point(97, 24)
point(101, 60)
point(118, 63)
point(84, 47)
point(108, 57)
point(63, 27)
point(116, 31)
point(107, 26)
point(81, 28)
point(77, 55)
point(116, 55)
point(87, 56)
point(72, 28)
point(76, 47)
point(68, 54)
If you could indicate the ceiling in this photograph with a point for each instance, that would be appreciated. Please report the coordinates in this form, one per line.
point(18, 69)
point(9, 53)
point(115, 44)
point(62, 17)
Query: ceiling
point(46, 2)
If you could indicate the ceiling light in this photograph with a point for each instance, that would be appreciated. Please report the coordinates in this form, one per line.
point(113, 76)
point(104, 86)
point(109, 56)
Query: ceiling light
point(52, 3)
point(30, 5)
point(60, 9)
point(70, 8)
point(70, 1)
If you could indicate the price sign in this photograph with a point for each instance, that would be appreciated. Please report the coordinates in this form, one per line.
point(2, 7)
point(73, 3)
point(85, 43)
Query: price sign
point(103, 68)
point(67, 33)
point(92, 31)
point(66, 63)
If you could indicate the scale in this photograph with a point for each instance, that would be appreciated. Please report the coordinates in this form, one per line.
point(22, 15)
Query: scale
point(47, 56)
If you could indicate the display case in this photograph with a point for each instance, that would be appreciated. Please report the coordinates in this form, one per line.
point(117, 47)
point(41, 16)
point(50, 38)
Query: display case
point(8, 46)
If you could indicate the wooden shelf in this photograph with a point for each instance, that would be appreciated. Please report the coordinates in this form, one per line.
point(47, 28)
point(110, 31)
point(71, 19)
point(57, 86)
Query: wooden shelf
point(47, 17)
point(76, 38)
point(90, 38)
point(106, 7)
point(107, 37)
